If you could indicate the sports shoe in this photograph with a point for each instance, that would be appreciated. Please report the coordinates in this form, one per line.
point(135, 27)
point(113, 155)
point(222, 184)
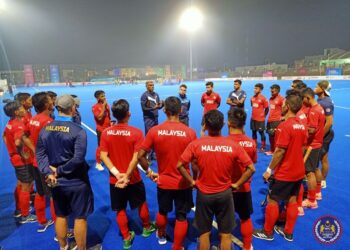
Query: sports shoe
point(70, 234)
point(73, 245)
point(319, 196)
point(269, 153)
point(308, 204)
point(261, 234)
point(17, 213)
point(161, 239)
point(280, 230)
point(301, 211)
point(28, 219)
point(323, 184)
point(42, 227)
point(99, 167)
point(127, 243)
point(146, 232)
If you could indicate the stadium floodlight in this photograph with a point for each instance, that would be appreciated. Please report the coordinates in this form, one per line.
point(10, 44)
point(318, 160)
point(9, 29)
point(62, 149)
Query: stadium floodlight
point(191, 20)
point(3, 6)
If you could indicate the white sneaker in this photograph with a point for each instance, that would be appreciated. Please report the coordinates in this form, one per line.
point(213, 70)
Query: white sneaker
point(99, 167)
point(323, 184)
point(161, 239)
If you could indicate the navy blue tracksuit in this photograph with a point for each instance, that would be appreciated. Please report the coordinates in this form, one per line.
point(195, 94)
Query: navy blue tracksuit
point(150, 113)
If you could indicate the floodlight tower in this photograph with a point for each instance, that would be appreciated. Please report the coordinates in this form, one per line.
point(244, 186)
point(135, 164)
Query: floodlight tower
point(191, 20)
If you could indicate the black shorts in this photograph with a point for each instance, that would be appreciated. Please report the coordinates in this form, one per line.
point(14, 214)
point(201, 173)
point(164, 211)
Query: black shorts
point(311, 163)
point(283, 190)
point(98, 133)
point(327, 139)
point(135, 194)
point(243, 204)
point(40, 184)
point(24, 173)
point(257, 126)
point(271, 127)
point(181, 197)
point(185, 120)
point(77, 200)
point(220, 205)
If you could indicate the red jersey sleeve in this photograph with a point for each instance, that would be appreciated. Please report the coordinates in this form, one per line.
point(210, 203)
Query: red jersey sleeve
point(242, 157)
point(147, 144)
point(96, 110)
point(202, 99)
point(103, 142)
point(139, 141)
point(266, 103)
point(18, 132)
point(313, 119)
point(283, 138)
point(187, 155)
point(218, 99)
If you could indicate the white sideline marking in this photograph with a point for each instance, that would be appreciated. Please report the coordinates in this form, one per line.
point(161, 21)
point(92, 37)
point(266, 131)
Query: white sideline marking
point(215, 225)
point(341, 107)
point(347, 135)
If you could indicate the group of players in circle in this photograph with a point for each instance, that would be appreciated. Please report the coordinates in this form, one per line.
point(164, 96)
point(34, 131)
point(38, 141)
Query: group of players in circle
point(51, 150)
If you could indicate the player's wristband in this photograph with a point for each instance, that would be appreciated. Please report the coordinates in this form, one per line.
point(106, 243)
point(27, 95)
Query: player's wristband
point(269, 170)
point(114, 171)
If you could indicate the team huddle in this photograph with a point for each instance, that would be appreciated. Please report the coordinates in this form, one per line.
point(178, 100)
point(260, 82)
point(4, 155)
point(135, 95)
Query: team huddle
point(50, 150)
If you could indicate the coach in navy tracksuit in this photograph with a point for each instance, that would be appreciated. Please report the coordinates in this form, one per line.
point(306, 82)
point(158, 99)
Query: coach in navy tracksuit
point(60, 151)
point(150, 104)
point(185, 105)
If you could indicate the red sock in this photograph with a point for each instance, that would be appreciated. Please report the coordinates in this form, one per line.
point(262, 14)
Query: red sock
point(263, 144)
point(272, 143)
point(161, 221)
point(318, 187)
point(271, 216)
point(300, 195)
point(98, 151)
point(39, 205)
point(144, 215)
point(311, 195)
point(122, 221)
point(24, 198)
point(52, 210)
point(292, 215)
point(180, 232)
point(247, 233)
point(16, 194)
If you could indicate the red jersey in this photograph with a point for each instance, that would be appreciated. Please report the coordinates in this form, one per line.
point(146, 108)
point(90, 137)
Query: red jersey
point(218, 157)
point(248, 144)
point(316, 119)
point(210, 102)
point(26, 118)
point(302, 117)
point(36, 123)
point(121, 141)
point(259, 104)
point(275, 108)
point(14, 130)
point(292, 136)
point(105, 122)
point(169, 140)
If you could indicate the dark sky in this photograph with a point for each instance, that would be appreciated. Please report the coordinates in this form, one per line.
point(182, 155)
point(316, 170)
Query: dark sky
point(145, 32)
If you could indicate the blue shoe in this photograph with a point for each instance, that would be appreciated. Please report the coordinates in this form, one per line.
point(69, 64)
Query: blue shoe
point(42, 227)
point(28, 219)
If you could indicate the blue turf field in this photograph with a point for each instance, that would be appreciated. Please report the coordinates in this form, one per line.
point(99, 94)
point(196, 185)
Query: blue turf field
point(102, 224)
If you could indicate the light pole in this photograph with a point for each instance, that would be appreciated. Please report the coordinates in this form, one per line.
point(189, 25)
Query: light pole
point(190, 21)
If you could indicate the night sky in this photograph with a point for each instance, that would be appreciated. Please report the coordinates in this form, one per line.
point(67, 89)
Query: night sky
point(145, 32)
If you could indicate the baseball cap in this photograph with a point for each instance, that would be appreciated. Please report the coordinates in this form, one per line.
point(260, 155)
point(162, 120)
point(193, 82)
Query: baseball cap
point(326, 86)
point(65, 102)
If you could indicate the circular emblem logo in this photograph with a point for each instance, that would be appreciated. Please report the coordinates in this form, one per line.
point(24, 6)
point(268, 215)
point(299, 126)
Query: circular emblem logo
point(327, 229)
